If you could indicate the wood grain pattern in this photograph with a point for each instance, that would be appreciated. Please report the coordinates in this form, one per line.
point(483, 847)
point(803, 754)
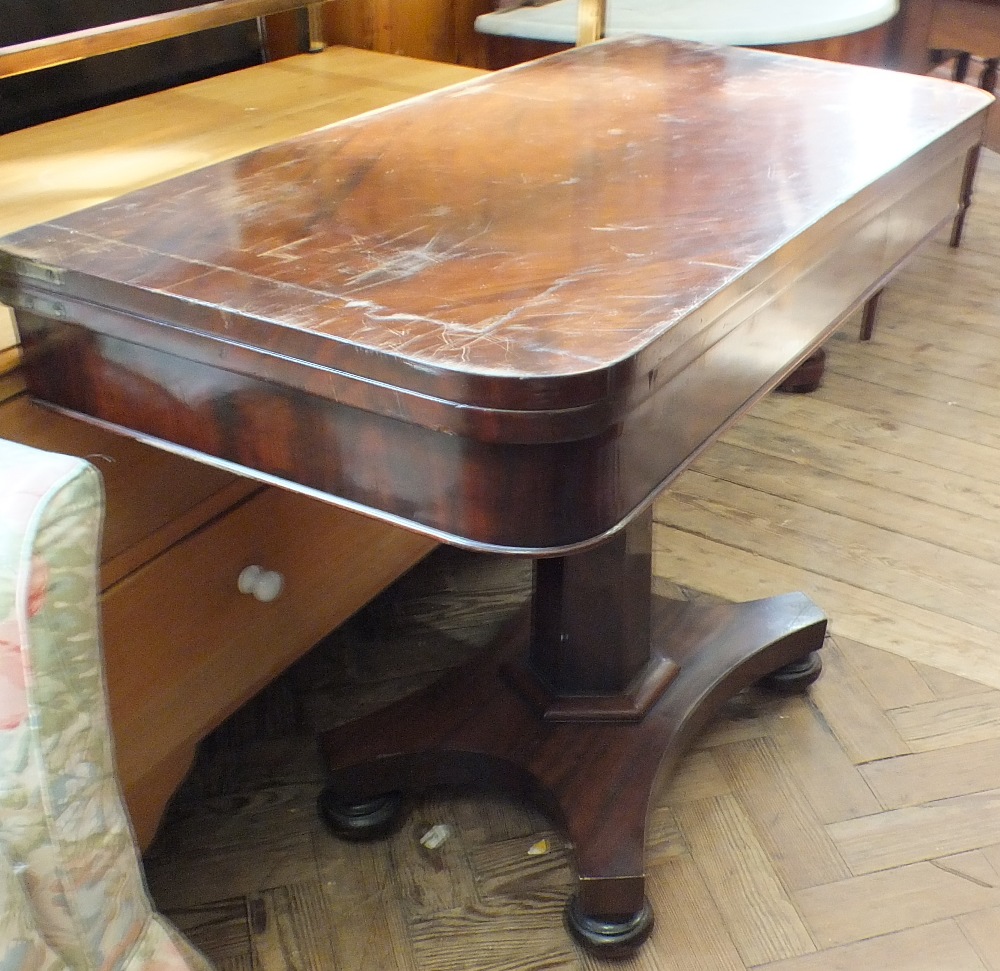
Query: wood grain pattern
point(735, 839)
point(913, 833)
point(790, 831)
point(924, 777)
point(919, 893)
point(694, 936)
point(58, 168)
point(165, 588)
point(222, 646)
point(484, 903)
point(178, 496)
point(772, 930)
point(915, 915)
point(981, 929)
point(941, 724)
point(743, 881)
point(425, 29)
point(473, 328)
point(939, 945)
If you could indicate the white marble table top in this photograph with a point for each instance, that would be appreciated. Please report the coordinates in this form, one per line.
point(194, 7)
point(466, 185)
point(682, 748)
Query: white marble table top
point(736, 22)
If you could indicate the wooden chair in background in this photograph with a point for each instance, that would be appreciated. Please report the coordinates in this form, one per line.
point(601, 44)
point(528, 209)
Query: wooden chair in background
point(929, 32)
point(935, 30)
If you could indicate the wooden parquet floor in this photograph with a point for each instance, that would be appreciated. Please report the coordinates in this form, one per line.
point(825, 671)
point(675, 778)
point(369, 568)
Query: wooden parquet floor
point(857, 827)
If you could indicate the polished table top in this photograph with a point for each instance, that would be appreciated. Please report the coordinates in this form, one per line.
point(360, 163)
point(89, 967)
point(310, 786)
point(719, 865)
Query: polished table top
point(508, 312)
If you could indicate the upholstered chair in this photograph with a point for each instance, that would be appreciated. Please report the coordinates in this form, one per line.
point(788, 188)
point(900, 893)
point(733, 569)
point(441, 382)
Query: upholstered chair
point(72, 893)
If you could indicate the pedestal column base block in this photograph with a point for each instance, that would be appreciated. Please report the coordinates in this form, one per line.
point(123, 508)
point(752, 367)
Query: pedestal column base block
point(596, 778)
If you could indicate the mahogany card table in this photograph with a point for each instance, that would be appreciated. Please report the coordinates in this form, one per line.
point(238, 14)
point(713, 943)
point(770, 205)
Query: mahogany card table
point(507, 314)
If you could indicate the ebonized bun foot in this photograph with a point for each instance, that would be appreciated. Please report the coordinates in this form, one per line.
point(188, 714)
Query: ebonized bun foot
point(808, 376)
point(607, 937)
point(794, 678)
point(365, 820)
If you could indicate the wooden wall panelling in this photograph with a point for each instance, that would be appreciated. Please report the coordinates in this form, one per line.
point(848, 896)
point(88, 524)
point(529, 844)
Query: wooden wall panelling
point(471, 46)
point(436, 30)
point(416, 28)
point(284, 33)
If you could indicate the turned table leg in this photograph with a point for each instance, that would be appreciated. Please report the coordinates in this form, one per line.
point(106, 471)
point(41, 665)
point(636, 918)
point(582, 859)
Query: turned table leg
point(965, 196)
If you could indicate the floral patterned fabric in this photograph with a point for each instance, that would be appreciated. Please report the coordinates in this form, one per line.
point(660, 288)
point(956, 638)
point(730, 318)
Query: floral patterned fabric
point(72, 893)
point(22, 946)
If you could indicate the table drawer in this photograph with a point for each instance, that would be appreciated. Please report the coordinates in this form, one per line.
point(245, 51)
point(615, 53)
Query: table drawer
point(184, 647)
point(154, 498)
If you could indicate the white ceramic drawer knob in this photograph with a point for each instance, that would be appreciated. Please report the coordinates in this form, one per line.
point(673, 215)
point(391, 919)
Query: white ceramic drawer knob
point(263, 585)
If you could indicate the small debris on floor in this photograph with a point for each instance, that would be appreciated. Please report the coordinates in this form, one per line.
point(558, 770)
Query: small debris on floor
point(435, 836)
point(540, 848)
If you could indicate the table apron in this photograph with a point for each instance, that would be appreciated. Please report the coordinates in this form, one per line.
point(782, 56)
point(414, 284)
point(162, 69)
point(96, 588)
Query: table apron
point(459, 484)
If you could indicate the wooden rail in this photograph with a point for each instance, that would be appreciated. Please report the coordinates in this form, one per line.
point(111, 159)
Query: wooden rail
point(592, 19)
point(79, 44)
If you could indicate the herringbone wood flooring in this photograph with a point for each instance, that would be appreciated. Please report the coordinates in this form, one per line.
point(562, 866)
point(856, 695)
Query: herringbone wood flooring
point(857, 827)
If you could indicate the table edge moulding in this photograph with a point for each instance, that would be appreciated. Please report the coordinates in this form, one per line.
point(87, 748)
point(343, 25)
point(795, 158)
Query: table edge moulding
point(506, 315)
